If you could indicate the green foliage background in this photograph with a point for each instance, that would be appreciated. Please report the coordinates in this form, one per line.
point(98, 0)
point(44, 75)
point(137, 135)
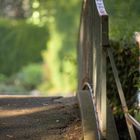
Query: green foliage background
point(48, 36)
point(20, 44)
point(124, 18)
point(61, 52)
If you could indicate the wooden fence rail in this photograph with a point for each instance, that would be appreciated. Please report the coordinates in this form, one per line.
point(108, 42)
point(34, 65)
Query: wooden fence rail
point(92, 51)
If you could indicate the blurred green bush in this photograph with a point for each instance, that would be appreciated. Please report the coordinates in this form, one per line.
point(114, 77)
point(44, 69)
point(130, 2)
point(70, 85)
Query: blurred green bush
point(12, 89)
point(30, 76)
point(126, 60)
point(26, 80)
point(123, 18)
point(20, 44)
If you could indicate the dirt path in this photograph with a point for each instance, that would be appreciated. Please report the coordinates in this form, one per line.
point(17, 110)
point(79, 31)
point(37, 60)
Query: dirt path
point(39, 118)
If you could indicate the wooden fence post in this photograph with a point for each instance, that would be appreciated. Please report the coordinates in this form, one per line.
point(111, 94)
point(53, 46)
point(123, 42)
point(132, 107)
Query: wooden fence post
point(91, 54)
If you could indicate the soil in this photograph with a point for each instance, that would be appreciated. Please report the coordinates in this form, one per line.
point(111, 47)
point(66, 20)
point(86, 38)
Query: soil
point(39, 118)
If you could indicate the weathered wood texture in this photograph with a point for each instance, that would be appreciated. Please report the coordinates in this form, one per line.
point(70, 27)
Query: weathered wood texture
point(85, 44)
point(122, 97)
point(90, 130)
point(91, 52)
point(111, 133)
point(93, 34)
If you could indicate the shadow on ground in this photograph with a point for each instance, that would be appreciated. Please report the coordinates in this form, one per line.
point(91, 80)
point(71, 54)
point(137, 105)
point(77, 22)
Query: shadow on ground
point(39, 118)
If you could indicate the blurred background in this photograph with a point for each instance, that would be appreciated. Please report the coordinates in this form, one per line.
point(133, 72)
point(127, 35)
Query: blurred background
point(37, 46)
point(38, 41)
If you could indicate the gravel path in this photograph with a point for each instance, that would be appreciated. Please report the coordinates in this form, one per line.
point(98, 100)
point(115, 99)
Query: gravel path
point(39, 118)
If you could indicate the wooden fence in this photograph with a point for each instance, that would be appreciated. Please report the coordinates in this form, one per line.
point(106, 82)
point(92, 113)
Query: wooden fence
point(92, 51)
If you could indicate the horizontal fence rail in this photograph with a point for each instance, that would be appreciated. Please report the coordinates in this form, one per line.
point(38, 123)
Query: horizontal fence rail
point(133, 121)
